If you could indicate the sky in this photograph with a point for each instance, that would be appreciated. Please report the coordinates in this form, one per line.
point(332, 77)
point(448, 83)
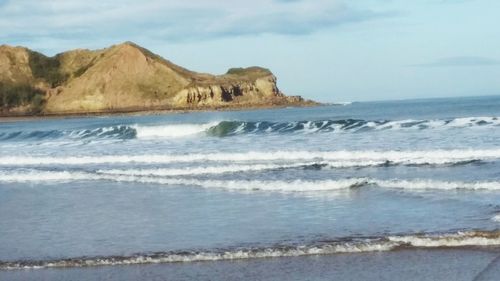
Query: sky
point(330, 51)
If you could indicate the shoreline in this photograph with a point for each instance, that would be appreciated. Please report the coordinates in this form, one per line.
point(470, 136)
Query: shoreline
point(148, 112)
point(406, 264)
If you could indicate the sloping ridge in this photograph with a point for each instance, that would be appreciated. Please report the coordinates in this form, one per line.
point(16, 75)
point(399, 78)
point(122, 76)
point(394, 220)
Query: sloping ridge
point(125, 77)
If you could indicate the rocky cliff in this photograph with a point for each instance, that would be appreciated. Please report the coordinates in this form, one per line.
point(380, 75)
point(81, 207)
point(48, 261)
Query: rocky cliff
point(122, 78)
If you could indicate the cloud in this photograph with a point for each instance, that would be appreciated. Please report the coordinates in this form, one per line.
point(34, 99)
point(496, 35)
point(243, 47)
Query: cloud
point(28, 20)
point(461, 61)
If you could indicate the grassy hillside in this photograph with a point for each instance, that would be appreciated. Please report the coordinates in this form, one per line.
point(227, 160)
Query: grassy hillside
point(47, 69)
point(124, 77)
point(12, 96)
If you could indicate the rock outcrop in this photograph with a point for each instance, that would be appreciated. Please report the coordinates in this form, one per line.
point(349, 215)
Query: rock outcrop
point(122, 78)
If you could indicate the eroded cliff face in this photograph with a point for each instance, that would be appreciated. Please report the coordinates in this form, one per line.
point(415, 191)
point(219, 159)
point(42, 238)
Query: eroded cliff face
point(127, 77)
point(231, 89)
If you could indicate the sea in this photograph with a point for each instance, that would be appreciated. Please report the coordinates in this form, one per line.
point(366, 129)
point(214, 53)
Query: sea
point(388, 190)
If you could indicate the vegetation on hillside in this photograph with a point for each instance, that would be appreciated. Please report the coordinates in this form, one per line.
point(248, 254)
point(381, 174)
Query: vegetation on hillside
point(249, 72)
point(237, 71)
point(47, 68)
point(79, 72)
point(21, 95)
point(123, 77)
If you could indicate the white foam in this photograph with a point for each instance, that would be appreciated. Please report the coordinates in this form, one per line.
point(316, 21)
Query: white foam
point(316, 185)
point(460, 239)
point(251, 185)
point(422, 184)
point(42, 176)
point(415, 124)
point(207, 170)
point(171, 131)
point(232, 168)
point(243, 185)
point(474, 121)
point(341, 103)
point(284, 186)
point(305, 250)
point(496, 218)
point(336, 158)
point(157, 177)
point(462, 122)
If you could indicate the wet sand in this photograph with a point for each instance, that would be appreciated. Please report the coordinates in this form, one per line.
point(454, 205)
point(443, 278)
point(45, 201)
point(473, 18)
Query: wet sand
point(437, 264)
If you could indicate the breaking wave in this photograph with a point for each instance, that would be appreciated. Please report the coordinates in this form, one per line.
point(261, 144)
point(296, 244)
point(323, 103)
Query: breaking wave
point(231, 128)
point(244, 185)
point(118, 132)
point(112, 132)
point(336, 159)
point(347, 245)
point(171, 131)
point(207, 170)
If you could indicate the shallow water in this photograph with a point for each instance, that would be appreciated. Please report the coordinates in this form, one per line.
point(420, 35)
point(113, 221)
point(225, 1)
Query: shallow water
point(454, 264)
point(323, 181)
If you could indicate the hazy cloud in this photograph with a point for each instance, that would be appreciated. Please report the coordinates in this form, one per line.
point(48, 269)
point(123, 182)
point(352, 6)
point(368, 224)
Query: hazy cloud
point(461, 61)
point(172, 20)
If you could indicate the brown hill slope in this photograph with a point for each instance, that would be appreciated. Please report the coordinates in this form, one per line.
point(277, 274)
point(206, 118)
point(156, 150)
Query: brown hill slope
point(124, 77)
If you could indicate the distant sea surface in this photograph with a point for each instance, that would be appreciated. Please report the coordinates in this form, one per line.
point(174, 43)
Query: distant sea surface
point(362, 191)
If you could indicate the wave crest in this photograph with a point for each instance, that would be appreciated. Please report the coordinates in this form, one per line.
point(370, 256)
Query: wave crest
point(171, 131)
point(232, 128)
point(347, 245)
point(247, 185)
point(336, 159)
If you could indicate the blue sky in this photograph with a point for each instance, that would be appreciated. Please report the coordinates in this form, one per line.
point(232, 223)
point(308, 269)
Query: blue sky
point(325, 50)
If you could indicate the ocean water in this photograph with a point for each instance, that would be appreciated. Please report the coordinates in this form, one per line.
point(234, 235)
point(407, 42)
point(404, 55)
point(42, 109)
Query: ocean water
point(312, 187)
